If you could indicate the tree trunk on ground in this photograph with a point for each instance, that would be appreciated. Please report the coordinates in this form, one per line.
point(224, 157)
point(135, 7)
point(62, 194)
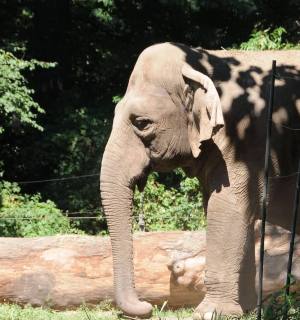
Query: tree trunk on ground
point(66, 271)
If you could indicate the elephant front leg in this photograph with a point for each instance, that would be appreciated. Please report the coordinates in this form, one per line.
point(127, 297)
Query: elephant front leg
point(230, 262)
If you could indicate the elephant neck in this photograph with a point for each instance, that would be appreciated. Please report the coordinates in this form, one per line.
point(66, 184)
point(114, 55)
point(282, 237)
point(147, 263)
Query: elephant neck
point(210, 163)
point(197, 167)
point(212, 156)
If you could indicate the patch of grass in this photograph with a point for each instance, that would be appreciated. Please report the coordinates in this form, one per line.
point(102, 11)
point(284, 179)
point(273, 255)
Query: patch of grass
point(15, 312)
point(162, 314)
point(105, 311)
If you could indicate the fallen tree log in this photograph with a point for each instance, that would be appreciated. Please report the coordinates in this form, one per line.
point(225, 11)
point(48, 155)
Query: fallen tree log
point(66, 271)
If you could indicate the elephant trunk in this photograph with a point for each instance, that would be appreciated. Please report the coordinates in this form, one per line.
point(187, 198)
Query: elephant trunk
point(124, 162)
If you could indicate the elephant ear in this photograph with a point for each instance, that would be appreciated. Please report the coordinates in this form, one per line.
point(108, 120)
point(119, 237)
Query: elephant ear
point(203, 103)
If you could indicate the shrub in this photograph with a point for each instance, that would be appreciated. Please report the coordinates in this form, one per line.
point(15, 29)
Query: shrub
point(28, 216)
point(267, 40)
point(168, 208)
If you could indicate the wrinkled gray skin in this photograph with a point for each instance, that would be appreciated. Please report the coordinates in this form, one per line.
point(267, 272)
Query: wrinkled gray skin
point(172, 116)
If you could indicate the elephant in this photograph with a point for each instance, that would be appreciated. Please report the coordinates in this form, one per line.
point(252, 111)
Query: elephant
point(206, 112)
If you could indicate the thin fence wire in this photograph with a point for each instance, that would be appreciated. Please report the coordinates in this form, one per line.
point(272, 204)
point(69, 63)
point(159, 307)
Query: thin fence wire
point(278, 76)
point(97, 174)
point(84, 212)
point(45, 217)
point(284, 176)
point(91, 215)
point(289, 128)
point(58, 179)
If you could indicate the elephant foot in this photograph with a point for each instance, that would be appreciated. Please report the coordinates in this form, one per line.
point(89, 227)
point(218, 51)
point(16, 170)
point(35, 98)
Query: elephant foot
point(209, 310)
point(135, 307)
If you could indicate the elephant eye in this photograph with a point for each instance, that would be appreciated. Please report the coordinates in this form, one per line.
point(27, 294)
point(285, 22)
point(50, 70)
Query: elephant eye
point(142, 123)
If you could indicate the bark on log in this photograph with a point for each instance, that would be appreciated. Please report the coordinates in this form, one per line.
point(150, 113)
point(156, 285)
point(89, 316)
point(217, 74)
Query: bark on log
point(66, 271)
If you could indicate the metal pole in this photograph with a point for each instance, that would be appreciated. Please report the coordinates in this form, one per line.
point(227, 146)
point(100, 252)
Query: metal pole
point(265, 191)
point(141, 221)
point(292, 240)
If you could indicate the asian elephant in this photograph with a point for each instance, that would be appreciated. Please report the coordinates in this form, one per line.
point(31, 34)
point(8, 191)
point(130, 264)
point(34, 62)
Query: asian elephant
point(206, 112)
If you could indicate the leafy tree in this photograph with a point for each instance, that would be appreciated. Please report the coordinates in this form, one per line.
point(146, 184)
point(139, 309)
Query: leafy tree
point(18, 109)
point(17, 106)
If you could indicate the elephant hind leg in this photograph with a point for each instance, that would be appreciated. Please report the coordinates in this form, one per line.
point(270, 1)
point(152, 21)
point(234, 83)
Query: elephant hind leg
point(281, 202)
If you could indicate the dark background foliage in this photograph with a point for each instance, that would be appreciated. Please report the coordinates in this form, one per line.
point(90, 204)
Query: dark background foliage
point(94, 44)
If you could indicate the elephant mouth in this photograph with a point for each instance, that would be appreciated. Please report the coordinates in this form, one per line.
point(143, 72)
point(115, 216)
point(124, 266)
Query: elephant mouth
point(141, 181)
point(167, 165)
point(162, 167)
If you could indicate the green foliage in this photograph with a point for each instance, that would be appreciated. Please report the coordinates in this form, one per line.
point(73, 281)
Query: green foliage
point(168, 208)
point(278, 304)
point(17, 105)
point(27, 216)
point(95, 44)
point(103, 10)
point(267, 40)
point(116, 99)
point(87, 133)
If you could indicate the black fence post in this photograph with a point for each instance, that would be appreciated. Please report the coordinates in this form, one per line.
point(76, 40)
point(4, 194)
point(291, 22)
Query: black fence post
point(292, 241)
point(265, 191)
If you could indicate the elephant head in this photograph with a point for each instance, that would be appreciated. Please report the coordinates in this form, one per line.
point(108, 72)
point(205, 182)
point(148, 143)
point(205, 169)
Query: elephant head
point(168, 110)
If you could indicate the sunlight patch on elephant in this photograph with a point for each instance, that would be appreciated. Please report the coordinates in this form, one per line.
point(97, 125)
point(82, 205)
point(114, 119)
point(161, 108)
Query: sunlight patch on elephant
point(228, 88)
point(242, 126)
point(280, 116)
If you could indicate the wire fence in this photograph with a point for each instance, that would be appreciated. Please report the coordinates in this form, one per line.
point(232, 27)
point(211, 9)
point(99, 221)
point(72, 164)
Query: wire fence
point(274, 76)
point(97, 213)
point(38, 218)
point(92, 214)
